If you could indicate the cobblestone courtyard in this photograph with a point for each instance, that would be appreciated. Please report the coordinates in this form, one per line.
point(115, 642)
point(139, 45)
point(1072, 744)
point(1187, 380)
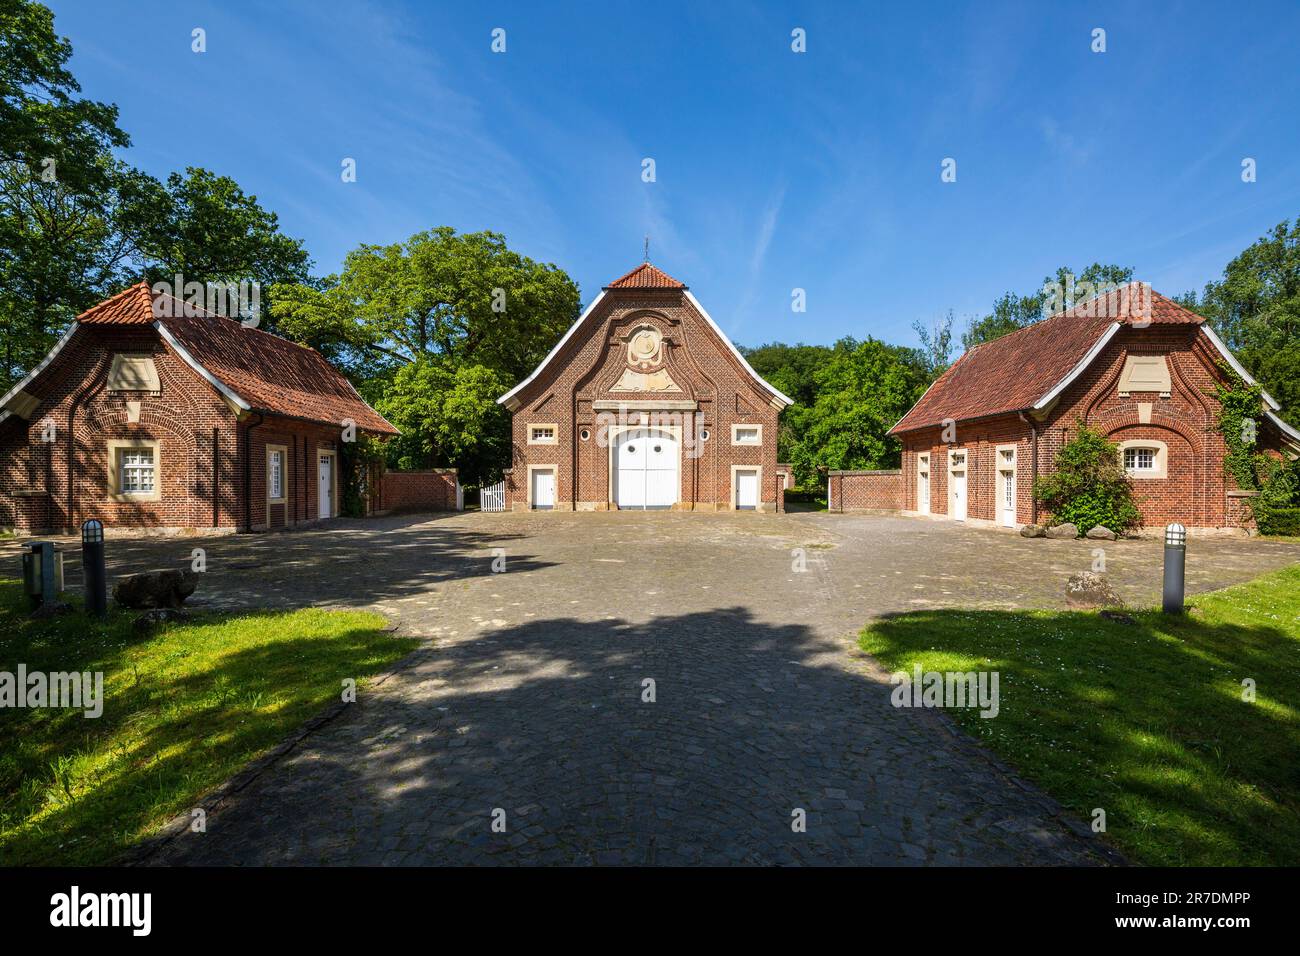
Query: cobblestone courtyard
point(528, 694)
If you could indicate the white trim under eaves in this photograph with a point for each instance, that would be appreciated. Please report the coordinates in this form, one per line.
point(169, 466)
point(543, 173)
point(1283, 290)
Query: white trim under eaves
point(1078, 369)
point(1238, 367)
point(553, 352)
point(45, 363)
point(781, 397)
point(207, 376)
point(1283, 427)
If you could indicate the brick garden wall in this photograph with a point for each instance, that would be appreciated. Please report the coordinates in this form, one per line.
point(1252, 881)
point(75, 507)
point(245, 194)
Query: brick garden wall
point(418, 490)
point(865, 490)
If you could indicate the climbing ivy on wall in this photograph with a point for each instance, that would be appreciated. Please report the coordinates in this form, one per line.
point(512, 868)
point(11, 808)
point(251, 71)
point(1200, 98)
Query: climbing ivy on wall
point(355, 461)
point(1239, 413)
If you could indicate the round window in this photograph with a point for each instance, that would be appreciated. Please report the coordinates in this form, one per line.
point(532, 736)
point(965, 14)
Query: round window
point(585, 434)
point(704, 435)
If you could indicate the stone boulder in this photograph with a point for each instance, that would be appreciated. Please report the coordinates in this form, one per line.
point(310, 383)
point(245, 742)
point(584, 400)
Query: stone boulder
point(166, 588)
point(1101, 533)
point(1066, 530)
point(1033, 531)
point(1088, 589)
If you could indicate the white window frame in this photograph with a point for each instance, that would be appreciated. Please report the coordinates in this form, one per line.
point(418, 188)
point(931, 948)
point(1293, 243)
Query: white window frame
point(116, 449)
point(923, 468)
point(1159, 458)
point(737, 440)
point(271, 452)
point(554, 438)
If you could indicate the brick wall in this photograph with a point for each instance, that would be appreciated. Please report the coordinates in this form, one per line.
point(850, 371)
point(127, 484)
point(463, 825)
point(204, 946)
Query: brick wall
point(582, 376)
point(200, 448)
point(1194, 489)
point(865, 490)
point(418, 490)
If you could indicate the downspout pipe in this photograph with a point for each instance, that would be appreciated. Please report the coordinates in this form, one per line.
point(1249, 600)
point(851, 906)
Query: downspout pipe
point(248, 470)
point(1033, 468)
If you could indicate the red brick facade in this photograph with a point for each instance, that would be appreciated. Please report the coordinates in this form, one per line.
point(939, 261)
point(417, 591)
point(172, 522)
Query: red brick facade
point(1186, 481)
point(645, 360)
point(64, 431)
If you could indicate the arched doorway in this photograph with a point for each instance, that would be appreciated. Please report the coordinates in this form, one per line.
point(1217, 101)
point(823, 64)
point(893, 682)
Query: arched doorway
point(645, 469)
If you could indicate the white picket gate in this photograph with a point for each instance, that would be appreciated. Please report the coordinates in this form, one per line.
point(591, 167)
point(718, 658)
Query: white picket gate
point(493, 497)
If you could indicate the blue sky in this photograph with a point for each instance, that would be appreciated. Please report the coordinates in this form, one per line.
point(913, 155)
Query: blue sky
point(775, 170)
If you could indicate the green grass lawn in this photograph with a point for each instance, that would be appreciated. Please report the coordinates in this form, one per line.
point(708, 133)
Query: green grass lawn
point(1145, 721)
point(185, 708)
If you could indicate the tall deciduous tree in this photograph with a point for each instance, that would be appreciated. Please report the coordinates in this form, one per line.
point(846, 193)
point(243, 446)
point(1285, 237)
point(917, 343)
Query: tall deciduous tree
point(1012, 311)
point(1255, 308)
point(464, 297)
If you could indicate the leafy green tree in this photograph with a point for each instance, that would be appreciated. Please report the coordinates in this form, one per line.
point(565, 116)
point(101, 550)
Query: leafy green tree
point(59, 188)
point(936, 344)
point(77, 223)
point(1089, 486)
point(862, 392)
point(449, 417)
point(467, 298)
point(1012, 311)
point(1255, 308)
point(790, 368)
point(208, 229)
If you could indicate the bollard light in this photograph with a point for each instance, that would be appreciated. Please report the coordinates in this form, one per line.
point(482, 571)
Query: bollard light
point(1175, 567)
point(94, 576)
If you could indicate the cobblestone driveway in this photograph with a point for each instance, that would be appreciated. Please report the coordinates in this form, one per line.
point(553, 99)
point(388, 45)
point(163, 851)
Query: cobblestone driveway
point(528, 696)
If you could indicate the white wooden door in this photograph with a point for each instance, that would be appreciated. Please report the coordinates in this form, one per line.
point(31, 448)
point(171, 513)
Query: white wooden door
point(645, 469)
point(544, 489)
point(957, 486)
point(923, 486)
point(325, 486)
point(747, 490)
point(1007, 486)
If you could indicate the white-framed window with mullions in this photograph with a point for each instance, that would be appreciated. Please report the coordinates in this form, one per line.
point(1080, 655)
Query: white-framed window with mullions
point(277, 470)
point(1144, 458)
point(134, 469)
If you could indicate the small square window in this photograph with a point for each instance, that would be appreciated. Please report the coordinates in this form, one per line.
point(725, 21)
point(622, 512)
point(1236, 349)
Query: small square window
point(136, 474)
point(1140, 459)
point(542, 435)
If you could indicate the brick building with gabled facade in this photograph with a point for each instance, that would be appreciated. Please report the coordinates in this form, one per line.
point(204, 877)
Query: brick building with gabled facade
point(194, 423)
point(645, 404)
point(1131, 363)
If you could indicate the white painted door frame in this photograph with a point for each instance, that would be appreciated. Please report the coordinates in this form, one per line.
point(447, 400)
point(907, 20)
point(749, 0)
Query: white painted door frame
point(326, 484)
point(923, 483)
point(1006, 491)
point(958, 469)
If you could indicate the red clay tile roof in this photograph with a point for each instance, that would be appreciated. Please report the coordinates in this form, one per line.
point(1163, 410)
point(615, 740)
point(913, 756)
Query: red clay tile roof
point(646, 276)
point(271, 374)
point(1011, 373)
point(132, 306)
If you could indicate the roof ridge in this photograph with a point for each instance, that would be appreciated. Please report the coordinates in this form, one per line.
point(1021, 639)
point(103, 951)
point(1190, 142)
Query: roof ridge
point(659, 278)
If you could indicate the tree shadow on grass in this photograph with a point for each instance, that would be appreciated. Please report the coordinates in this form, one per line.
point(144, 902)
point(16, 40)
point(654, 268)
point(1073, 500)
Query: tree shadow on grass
point(1144, 720)
point(549, 722)
point(173, 737)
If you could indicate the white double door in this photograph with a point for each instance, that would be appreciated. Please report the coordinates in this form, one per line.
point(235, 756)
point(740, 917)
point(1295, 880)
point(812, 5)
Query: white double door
point(645, 469)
